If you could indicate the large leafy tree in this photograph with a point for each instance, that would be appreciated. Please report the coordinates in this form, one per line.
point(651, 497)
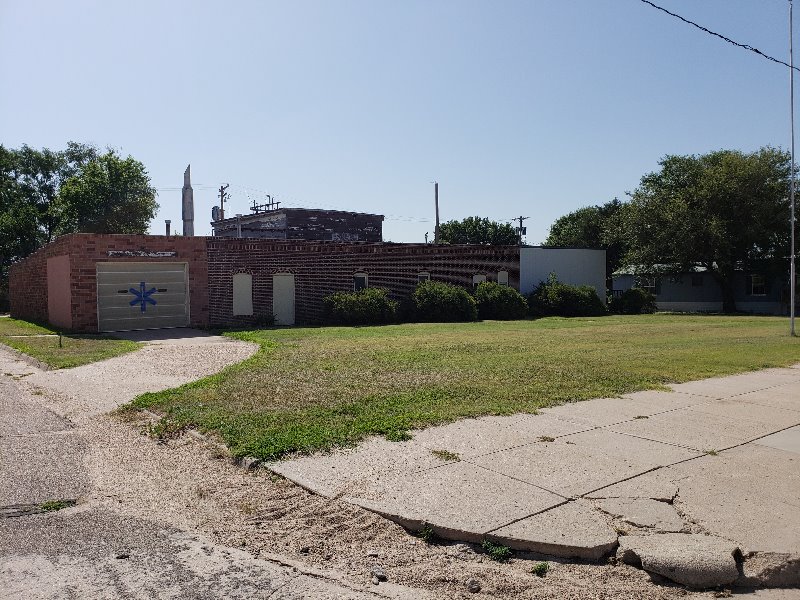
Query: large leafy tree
point(726, 210)
point(593, 227)
point(44, 193)
point(110, 195)
point(477, 230)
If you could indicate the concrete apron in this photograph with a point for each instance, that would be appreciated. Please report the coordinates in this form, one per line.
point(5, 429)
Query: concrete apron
point(700, 485)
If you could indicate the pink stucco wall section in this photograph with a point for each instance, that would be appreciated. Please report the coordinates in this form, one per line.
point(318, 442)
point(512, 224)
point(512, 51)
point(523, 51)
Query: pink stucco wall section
point(59, 296)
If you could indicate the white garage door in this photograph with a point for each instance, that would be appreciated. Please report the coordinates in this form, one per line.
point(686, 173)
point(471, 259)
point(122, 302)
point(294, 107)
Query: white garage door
point(141, 296)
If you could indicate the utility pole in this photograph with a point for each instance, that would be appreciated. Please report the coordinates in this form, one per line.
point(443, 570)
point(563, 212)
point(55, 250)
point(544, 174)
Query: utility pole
point(436, 197)
point(792, 271)
point(222, 197)
point(521, 230)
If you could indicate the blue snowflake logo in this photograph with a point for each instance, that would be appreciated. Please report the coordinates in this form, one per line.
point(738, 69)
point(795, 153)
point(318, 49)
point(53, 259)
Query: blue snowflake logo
point(142, 297)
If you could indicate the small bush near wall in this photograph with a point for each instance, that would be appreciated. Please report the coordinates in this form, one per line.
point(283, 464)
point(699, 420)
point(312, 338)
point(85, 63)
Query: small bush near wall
point(634, 301)
point(500, 302)
point(436, 302)
point(370, 306)
point(553, 298)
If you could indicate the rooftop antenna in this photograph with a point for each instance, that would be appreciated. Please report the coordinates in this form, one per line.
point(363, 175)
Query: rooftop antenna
point(223, 195)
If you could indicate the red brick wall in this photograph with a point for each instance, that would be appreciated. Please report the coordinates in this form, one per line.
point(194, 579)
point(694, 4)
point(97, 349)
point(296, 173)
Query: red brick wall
point(27, 282)
point(28, 278)
point(321, 268)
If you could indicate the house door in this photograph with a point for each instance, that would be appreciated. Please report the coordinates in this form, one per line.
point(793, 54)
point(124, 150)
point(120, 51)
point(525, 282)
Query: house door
point(283, 298)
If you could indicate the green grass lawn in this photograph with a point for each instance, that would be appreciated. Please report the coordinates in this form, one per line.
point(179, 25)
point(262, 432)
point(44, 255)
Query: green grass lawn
point(315, 388)
point(43, 344)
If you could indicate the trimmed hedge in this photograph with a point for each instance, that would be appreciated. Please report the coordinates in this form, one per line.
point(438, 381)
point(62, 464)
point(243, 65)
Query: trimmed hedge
point(555, 299)
point(634, 301)
point(436, 302)
point(500, 302)
point(370, 306)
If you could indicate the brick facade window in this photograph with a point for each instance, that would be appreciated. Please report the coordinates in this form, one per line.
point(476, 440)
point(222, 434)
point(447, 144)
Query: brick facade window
point(360, 281)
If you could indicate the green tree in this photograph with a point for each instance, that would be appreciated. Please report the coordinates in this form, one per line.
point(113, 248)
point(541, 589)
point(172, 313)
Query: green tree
point(593, 227)
point(477, 230)
point(726, 210)
point(109, 195)
point(41, 173)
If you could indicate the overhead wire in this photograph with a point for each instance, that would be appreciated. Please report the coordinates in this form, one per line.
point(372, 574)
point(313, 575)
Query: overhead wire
point(719, 35)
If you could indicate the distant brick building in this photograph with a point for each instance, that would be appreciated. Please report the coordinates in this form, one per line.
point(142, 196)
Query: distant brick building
point(303, 224)
point(93, 282)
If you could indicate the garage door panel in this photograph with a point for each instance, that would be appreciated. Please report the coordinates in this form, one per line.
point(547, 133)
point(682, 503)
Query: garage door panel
point(121, 293)
point(141, 296)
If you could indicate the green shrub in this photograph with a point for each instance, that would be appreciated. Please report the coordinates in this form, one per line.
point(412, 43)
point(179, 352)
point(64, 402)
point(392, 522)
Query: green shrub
point(553, 298)
point(436, 302)
point(635, 301)
point(370, 306)
point(500, 302)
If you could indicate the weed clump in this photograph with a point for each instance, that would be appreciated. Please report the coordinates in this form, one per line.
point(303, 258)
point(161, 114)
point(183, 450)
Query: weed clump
point(497, 552)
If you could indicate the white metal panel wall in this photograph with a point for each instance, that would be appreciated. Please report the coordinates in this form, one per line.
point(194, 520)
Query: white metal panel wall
point(575, 266)
point(142, 296)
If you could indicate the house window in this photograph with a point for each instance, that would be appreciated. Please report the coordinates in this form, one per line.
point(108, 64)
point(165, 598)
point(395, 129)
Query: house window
point(647, 283)
point(758, 285)
point(476, 279)
point(424, 276)
point(359, 281)
point(697, 281)
point(502, 277)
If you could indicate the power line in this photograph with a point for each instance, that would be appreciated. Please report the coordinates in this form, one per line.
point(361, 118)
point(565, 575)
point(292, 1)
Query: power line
point(722, 37)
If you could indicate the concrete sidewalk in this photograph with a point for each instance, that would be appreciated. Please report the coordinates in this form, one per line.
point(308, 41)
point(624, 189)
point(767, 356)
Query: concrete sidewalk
point(700, 485)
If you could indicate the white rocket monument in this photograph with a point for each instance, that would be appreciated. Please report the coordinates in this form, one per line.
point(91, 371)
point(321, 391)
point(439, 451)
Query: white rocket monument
point(188, 203)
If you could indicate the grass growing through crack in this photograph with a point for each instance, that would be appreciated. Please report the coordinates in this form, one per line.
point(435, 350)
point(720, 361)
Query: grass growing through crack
point(316, 388)
point(446, 455)
point(496, 552)
point(54, 505)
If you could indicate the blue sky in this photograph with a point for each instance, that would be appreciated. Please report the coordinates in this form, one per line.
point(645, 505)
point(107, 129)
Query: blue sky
point(534, 108)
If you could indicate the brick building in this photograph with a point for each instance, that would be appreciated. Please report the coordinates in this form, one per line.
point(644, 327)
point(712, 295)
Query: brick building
point(93, 282)
point(303, 224)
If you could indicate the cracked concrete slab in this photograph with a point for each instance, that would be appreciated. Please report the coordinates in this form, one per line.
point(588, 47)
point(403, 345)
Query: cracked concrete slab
point(475, 437)
point(698, 561)
point(571, 530)
point(459, 499)
point(644, 512)
point(738, 499)
point(580, 463)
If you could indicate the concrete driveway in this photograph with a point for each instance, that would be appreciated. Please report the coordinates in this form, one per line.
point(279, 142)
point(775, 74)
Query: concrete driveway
point(51, 431)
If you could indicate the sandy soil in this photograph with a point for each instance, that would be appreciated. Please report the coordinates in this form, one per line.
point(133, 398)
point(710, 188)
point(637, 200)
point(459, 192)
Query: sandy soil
point(191, 484)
